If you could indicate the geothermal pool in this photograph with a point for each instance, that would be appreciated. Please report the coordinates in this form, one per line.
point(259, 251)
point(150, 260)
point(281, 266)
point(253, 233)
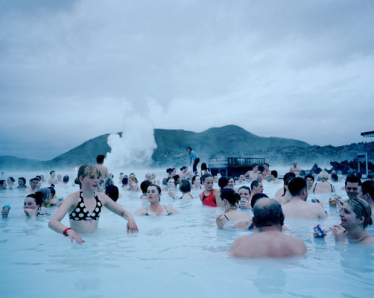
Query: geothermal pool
point(182, 255)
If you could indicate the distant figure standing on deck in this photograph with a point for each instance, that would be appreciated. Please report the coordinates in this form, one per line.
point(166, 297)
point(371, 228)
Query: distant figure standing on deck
point(193, 159)
point(102, 169)
point(295, 169)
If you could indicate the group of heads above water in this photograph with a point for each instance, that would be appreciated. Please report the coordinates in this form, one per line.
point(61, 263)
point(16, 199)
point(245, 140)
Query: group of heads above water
point(242, 199)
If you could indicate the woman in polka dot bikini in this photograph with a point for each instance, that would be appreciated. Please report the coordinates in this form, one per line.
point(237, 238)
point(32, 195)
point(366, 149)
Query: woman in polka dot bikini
point(84, 207)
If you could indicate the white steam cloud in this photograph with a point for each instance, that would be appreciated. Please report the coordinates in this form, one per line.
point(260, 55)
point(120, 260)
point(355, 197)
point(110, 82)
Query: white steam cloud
point(135, 147)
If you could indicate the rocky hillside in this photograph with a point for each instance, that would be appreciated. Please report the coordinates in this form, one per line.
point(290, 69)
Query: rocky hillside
point(226, 141)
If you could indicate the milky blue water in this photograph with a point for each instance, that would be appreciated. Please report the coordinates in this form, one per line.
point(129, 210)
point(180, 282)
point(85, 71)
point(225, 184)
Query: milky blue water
point(182, 255)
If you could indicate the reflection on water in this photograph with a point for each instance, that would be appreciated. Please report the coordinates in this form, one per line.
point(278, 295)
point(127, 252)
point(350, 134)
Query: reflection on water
point(183, 255)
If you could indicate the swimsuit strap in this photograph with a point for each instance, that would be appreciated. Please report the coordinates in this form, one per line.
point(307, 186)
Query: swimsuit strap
point(226, 217)
point(167, 211)
point(146, 211)
point(314, 188)
point(251, 226)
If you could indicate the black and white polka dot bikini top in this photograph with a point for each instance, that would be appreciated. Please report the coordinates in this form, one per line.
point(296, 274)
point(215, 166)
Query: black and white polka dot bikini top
point(81, 213)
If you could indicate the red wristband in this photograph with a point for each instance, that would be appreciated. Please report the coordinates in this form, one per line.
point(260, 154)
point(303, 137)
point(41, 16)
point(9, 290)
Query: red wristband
point(64, 232)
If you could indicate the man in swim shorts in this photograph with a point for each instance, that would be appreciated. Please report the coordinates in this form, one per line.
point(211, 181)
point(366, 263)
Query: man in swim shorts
point(270, 241)
point(298, 207)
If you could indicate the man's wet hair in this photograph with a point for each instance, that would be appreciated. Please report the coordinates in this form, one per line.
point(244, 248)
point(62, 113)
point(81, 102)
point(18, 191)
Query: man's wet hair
point(267, 215)
point(352, 179)
point(100, 158)
point(65, 179)
point(12, 179)
point(50, 173)
point(23, 179)
point(274, 173)
point(255, 183)
point(265, 163)
point(309, 176)
point(296, 186)
point(257, 197)
point(189, 148)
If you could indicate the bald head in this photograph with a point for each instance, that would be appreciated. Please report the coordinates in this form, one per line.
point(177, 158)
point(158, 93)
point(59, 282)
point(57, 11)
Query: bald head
point(267, 212)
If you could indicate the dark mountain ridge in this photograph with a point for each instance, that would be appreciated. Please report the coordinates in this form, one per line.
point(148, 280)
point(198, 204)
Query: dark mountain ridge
point(226, 141)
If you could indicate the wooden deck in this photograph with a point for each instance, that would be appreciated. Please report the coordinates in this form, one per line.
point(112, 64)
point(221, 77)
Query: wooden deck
point(234, 166)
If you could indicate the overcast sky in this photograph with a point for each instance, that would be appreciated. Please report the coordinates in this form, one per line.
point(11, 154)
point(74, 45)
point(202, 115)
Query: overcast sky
point(72, 70)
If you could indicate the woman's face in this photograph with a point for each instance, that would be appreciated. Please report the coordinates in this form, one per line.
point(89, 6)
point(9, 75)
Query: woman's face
point(90, 182)
point(171, 183)
point(348, 217)
point(244, 194)
point(309, 181)
point(208, 183)
point(231, 183)
point(197, 180)
point(29, 203)
point(153, 194)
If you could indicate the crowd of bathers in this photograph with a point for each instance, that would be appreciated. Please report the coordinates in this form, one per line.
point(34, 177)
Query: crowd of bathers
point(242, 198)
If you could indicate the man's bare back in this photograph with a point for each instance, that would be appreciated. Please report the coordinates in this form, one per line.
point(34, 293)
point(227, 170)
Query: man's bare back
point(297, 208)
point(268, 243)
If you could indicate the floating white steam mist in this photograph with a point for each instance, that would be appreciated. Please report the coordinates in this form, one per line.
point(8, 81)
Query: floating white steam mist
point(135, 147)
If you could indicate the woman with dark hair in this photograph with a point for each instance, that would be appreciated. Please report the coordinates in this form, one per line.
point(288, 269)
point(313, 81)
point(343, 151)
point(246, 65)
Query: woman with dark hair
point(125, 182)
point(31, 206)
point(222, 182)
point(230, 201)
point(196, 182)
point(112, 192)
point(185, 188)
point(283, 195)
point(355, 216)
point(245, 197)
point(155, 208)
point(203, 169)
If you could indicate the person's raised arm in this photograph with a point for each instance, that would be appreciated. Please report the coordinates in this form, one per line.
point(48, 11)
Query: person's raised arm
point(56, 225)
